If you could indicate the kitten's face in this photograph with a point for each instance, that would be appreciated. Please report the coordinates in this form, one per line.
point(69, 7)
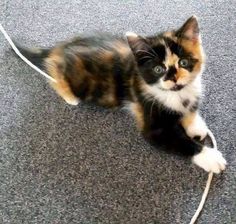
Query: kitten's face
point(170, 60)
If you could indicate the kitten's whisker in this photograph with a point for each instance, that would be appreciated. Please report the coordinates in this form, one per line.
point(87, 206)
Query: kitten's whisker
point(152, 108)
point(148, 57)
point(145, 100)
point(146, 52)
point(153, 51)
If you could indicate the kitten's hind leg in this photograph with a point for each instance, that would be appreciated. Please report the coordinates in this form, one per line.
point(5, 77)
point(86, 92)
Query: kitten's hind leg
point(55, 67)
point(63, 89)
point(138, 113)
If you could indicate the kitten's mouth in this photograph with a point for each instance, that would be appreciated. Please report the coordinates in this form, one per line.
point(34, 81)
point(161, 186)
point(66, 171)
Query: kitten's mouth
point(177, 87)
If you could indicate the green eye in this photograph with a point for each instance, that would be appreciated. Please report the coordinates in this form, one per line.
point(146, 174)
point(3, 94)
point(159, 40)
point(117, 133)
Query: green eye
point(183, 62)
point(159, 70)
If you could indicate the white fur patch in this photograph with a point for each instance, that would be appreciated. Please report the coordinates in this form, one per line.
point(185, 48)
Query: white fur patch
point(197, 128)
point(130, 34)
point(211, 160)
point(73, 101)
point(174, 99)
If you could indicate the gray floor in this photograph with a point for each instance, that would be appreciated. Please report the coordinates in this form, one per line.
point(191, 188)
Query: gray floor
point(65, 164)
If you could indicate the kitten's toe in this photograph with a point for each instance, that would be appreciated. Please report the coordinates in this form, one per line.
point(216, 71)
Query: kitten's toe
point(197, 128)
point(199, 132)
point(74, 101)
point(211, 160)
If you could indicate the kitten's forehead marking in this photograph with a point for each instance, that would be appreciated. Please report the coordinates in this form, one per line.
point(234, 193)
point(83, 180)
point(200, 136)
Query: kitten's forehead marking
point(171, 58)
point(160, 50)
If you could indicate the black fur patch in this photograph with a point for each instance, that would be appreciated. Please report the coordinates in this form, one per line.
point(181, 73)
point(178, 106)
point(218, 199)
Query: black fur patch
point(98, 92)
point(82, 90)
point(163, 130)
point(171, 74)
point(194, 106)
point(160, 51)
point(118, 76)
point(35, 55)
point(186, 103)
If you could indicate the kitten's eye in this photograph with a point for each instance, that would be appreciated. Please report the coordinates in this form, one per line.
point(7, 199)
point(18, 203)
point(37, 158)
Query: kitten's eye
point(183, 62)
point(159, 70)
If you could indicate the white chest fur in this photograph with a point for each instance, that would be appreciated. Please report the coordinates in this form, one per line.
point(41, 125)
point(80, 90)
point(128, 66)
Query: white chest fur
point(174, 100)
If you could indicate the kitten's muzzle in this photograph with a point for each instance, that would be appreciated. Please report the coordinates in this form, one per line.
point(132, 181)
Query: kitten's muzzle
point(177, 87)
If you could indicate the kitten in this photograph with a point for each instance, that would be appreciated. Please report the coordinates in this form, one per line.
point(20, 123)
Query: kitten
point(159, 76)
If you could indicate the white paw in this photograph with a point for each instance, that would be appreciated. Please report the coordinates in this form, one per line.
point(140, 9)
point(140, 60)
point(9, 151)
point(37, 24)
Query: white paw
point(74, 101)
point(211, 160)
point(197, 128)
point(197, 131)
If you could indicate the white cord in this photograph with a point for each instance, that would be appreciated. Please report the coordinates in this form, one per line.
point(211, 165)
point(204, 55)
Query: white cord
point(212, 138)
point(23, 57)
point(208, 184)
point(204, 196)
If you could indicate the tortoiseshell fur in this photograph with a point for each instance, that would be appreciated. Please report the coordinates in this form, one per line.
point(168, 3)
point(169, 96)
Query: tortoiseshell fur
point(157, 76)
point(97, 69)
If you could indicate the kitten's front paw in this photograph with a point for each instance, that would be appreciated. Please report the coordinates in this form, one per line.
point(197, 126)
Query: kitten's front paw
point(197, 129)
point(211, 160)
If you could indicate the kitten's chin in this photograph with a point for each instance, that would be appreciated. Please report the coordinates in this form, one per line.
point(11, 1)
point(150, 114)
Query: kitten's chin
point(173, 88)
point(170, 86)
point(177, 87)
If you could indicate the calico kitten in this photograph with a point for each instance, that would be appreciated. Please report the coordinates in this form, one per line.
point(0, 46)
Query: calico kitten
point(159, 76)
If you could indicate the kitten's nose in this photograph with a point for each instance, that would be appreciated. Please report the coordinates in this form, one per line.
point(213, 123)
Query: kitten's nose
point(172, 78)
point(171, 74)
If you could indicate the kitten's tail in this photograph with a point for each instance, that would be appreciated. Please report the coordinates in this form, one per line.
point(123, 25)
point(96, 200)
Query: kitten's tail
point(33, 58)
point(35, 55)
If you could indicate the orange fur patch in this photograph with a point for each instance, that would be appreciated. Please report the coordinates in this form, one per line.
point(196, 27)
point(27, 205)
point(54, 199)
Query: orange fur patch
point(122, 49)
point(197, 52)
point(181, 74)
point(139, 115)
point(54, 64)
point(188, 119)
point(172, 59)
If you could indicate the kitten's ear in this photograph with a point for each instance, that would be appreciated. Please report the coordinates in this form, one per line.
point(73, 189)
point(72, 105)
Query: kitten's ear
point(138, 45)
point(190, 30)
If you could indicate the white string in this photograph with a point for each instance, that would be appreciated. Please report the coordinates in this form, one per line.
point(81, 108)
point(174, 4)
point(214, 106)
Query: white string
point(208, 184)
point(204, 196)
point(212, 138)
point(22, 56)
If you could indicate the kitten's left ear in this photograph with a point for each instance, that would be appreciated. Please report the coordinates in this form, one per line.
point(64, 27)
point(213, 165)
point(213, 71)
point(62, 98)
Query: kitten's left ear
point(190, 30)
point(134, 40)
point(138, 45)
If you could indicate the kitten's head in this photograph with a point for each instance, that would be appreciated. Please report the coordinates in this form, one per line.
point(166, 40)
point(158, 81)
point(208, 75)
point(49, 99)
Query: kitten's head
point(170, 60)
